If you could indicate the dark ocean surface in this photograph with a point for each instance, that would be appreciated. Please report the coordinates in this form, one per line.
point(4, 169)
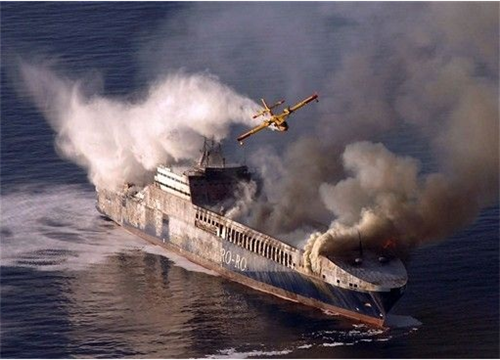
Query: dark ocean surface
point(76, 285)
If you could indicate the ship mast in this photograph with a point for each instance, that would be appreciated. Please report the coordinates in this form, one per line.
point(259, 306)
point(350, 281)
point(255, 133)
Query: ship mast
point(211, 154)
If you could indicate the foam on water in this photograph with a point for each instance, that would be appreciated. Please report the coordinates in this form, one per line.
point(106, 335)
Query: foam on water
point(336, 344)
point(232, 353)
point(360, 333)
point(402, 321)
point(330, 338)
point(58, 228)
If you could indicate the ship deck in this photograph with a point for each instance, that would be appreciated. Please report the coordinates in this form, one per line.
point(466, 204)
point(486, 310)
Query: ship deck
point(389, 272)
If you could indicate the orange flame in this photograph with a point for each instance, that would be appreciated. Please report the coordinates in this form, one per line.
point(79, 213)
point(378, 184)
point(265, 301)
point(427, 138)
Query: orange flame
point(390, 243)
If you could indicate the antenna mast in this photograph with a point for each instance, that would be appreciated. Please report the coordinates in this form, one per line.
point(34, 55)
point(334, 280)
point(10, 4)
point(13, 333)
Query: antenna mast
point(360, 245)
point(211, 154)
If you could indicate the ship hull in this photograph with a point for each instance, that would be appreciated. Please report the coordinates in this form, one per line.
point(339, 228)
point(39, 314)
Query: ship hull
point(283, 284)
point(175, 228)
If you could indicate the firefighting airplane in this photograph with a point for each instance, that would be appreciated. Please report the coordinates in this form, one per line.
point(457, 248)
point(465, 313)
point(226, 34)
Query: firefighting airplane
point(275, 122)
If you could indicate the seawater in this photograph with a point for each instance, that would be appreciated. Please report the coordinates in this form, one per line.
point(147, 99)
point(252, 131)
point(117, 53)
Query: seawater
point(76, 285)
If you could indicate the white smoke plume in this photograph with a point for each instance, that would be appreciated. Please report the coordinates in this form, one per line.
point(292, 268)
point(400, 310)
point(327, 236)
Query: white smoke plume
point(121, 141)
point(245, 194)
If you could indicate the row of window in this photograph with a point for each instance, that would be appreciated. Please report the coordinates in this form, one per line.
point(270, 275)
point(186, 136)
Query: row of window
point(211, 185)
point(248, 242)
point(174, 179)
point(172, 188)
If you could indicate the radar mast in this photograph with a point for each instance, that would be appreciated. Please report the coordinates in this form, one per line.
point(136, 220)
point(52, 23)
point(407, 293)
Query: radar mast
point(211, 154)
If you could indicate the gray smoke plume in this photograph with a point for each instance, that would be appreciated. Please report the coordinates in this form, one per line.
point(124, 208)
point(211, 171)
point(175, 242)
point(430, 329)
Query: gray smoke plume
point(428, 67)
point(244, 196)
point(431, 66)
point(448, 89)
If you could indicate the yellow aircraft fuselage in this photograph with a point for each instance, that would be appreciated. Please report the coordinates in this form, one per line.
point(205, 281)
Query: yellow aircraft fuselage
point(276, 122)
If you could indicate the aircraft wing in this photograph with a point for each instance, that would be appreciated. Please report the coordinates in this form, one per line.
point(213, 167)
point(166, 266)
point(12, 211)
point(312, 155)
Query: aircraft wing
point(304, 103)
point(253, 131)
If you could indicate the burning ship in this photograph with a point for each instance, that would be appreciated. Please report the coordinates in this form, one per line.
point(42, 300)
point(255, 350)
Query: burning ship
point(182, 212)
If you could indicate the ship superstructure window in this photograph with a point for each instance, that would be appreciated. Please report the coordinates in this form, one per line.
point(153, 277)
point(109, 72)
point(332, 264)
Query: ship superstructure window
point(171, 182)
point(175, 189)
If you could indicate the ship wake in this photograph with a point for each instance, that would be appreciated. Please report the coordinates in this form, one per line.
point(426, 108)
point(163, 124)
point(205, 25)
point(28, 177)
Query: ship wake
point(56, 228)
